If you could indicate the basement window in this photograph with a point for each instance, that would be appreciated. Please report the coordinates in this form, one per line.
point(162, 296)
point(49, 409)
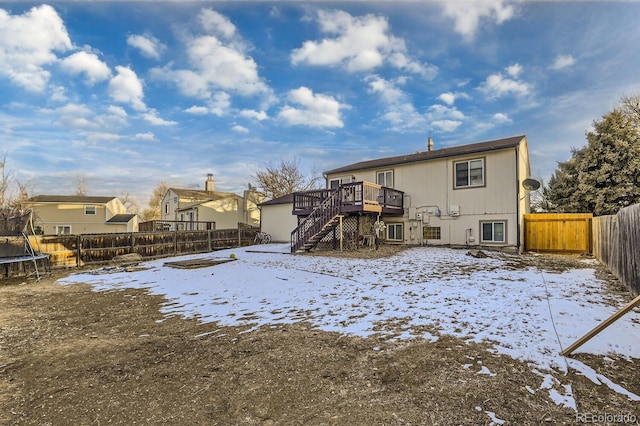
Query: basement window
point(431, 233)
point(493, 232)
point(63, 229)
point(395, 232)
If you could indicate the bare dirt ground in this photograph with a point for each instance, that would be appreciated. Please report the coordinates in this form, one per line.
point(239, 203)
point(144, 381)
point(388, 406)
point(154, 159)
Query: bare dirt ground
point(72, 356)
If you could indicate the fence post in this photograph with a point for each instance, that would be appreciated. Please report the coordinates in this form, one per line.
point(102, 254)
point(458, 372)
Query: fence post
point(133, 243)
point(239, 237)
point(209, 239)
point(79, 250)
point(175, 242)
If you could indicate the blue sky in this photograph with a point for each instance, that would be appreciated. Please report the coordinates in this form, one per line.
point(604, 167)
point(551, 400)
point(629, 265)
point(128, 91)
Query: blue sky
point(127, 94)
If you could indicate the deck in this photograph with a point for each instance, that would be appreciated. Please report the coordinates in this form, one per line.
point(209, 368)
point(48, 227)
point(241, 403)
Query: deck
point(352, 197)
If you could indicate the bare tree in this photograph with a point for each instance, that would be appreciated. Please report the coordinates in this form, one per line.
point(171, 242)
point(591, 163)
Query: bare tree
point(129, 201)
point(630, 107)
point(13, 193)
point(81, 185)
point(154, 211)
point(285, 178)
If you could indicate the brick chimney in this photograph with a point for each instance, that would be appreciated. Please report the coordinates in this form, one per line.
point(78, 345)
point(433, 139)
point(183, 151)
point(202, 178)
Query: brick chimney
point(210, 185)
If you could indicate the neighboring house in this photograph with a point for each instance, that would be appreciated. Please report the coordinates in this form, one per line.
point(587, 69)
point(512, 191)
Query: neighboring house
point(79, 214)
point(468, 195)
point(276, 218)
point(192, 209)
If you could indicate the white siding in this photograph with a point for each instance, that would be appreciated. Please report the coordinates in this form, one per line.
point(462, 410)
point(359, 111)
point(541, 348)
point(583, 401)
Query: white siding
point(278, 221)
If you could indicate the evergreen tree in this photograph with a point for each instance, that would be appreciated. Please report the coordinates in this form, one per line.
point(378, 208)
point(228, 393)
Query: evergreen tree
point(603, 176)
point(609, 170)
point(560, 196)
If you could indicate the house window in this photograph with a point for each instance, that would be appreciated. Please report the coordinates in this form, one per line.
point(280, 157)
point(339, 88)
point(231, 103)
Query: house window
point(493, 232)
point(90, 210)
point(431, 233)
point(334, 183)
point(63, 229)
point(166, 208)
point(469, 173)
point(385, 178)
point(395, 232)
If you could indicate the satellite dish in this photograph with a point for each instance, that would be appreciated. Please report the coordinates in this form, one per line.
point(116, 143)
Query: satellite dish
point(531, 184)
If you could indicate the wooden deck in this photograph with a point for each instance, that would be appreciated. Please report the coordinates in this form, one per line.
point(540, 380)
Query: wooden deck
point(352, 198)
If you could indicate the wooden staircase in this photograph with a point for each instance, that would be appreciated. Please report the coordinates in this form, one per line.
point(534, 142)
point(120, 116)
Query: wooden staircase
point(322, 220)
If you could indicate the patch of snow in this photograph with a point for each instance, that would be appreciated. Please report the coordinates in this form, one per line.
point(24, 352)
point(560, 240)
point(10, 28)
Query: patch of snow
point(494, 420)
point(485, 370)
point(476, 299)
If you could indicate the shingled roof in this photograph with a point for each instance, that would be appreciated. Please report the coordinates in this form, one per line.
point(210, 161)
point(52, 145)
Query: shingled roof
point(197, 194)
point(121, 218)
point(72, 199)
point(431, 155)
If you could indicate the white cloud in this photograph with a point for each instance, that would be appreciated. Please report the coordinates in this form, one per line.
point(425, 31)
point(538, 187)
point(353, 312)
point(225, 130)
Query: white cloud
point(514, 70)
point(148, 136)
point(117, 111)
point(500, 118)
point(444, 118)
point(359, 44)
point(126, 88)
point(102, 137)
point(213, 22)
point(240, 129)
point(28, 44)
point(388, 90)
point(446, 125)
point(86, 63)
point(152, 117)
point(149, 46)
point(74, 116)
point(447, 98)
point(468, 14)
point(256, 115)
point(313, 110)
point(197, 110)
point(216, 63)
point(498, 85)
point(399, 111)
point(58, 94)
point(562, 61)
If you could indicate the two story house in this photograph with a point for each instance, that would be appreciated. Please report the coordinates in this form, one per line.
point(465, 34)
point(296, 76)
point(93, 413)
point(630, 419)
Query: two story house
point(80, 214)
point(194, 209)
point(469, 195)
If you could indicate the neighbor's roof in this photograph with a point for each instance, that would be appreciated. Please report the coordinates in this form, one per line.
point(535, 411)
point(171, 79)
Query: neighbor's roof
point(121, 218)
point(80, 199)
point(198, 194)
point(431, 155)
point(285, 199)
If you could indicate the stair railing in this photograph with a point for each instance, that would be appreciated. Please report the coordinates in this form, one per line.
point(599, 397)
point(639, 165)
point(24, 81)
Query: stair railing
point(318, 218)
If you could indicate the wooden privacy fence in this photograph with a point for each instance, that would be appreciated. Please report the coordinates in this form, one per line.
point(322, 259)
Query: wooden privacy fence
point(558, 232)
point(78, 250)
point(616, 243)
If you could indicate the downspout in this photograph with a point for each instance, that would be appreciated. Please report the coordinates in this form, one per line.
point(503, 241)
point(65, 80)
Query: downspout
point(517, 201)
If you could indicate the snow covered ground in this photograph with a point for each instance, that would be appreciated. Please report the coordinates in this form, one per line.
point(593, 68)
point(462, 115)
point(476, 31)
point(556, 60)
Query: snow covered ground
point(478, 299)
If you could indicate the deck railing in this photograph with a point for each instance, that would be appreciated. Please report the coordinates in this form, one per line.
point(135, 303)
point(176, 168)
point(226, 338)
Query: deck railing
point(321, 206)
point(353, 197)
point(314, 223)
